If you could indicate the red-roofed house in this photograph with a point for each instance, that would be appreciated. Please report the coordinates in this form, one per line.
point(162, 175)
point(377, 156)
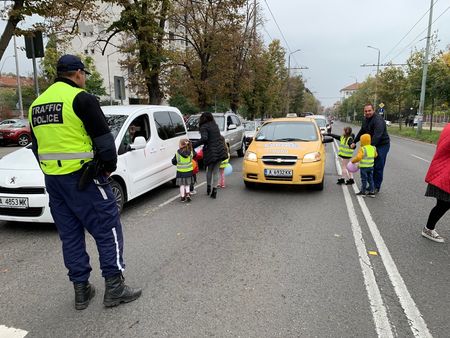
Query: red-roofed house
point(349, 90)
point(9, 81)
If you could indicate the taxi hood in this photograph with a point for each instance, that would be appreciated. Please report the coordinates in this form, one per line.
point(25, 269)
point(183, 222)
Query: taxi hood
point(293, 148)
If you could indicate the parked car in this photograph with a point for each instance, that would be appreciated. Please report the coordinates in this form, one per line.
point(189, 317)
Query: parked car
point(286, 151)
point(146, 138)
point(250, 129)
point(230, 127)
point(16, 133)
point(8, 122)
point(322, 122)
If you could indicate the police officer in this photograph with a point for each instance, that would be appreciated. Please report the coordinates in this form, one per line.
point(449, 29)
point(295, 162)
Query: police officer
point(69, 134)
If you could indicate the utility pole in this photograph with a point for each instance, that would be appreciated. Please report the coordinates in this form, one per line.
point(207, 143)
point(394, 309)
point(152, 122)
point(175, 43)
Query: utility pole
point(424, 73)
point(289, 78)
point(19, 88)
point(376, 77)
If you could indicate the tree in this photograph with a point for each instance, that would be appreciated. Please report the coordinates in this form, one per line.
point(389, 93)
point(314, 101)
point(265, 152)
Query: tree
point(392, 89)
point(55, 12)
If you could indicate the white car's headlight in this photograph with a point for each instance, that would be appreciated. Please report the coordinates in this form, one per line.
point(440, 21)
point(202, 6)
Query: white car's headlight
point(312, 157)
point(250, 156)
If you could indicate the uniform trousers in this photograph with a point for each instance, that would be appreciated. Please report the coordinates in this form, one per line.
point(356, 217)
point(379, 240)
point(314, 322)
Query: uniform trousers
point(93, 209)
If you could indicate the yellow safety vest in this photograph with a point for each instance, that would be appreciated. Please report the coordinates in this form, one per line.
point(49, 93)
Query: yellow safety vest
point(63, 143)
point(224, 163)
point(368, 157)
point(184, 164)
point(344, 149)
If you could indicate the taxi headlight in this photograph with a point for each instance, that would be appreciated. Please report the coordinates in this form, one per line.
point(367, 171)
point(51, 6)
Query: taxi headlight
point(312, 157)
point(250, 156)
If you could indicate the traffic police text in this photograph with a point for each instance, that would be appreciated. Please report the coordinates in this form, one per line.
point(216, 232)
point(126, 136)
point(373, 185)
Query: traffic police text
point(47, 113)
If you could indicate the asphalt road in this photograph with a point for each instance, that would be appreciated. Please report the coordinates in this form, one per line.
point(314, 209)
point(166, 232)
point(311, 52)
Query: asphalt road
point(266, 262)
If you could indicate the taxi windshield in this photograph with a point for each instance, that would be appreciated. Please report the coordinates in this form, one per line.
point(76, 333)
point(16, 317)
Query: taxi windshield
point(287, 131)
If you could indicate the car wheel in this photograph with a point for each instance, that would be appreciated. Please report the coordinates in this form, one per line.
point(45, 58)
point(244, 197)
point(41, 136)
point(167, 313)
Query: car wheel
point(319, 187)
point(241, 151)
point(117, 190)
point(23, 140)
point(250, 185)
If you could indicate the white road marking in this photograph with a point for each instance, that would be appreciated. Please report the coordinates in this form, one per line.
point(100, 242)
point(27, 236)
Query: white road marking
point(420, 158)
point(10, 332)
point(416, 322)
point(170, 200)
point(379, 313)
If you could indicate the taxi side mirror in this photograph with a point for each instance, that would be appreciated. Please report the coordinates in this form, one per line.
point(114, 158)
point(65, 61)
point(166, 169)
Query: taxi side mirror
point(327, 139)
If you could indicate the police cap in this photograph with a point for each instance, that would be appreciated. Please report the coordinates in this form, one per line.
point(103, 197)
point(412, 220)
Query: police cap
point(68, 62)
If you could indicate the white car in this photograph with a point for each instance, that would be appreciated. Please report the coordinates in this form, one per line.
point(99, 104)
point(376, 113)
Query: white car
point(322, 123)
point(146, 139)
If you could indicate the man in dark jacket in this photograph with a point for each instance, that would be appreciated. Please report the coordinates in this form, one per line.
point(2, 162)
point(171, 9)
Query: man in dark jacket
point(375, 125)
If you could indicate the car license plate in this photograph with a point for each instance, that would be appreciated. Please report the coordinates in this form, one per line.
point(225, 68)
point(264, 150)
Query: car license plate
point(13, 202)
point(278, 172)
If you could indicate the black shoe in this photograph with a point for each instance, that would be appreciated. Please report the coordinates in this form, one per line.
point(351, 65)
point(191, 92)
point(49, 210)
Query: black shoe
point(116, 291)
point(371, 194)
point(84, 292)
point(188, 198)
point(363, 194)
point(349, 181)
point(183, 199)
point(340, 181)
point(214, 193)
point(208, 190)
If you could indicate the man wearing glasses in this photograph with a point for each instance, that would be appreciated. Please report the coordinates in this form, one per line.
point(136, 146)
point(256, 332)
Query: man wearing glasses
point(68, 128)
point(375, 125)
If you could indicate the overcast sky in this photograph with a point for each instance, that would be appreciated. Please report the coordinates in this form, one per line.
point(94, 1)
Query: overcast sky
point(333, 36)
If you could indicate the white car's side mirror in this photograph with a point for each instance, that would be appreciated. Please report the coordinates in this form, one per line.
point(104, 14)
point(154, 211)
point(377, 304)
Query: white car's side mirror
point(139, 143)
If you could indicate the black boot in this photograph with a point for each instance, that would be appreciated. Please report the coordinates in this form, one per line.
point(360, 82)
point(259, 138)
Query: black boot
point(84, 292)
point(208, 190)
point(116, 291)
point(340, 181)
point(214, 193)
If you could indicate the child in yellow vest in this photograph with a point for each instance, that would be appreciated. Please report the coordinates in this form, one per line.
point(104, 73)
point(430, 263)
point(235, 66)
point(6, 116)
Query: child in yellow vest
point(345, 153)
point(185, 168)
point(366, 157)
point(223, 165)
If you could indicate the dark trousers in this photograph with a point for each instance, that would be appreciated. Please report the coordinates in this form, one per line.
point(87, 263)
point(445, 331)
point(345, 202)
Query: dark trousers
point(366, 179)
point(436, 213)
point(93, 209)
point(378, 167)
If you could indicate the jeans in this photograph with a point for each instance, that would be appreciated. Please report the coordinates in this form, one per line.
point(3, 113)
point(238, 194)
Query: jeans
point(378, 167)
point(212, 174)
point(367, 178)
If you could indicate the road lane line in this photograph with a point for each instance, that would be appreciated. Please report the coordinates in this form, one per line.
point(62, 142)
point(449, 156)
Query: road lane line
point(11, 332)
point(415, 319)
point(420, 158)
point(379, 313)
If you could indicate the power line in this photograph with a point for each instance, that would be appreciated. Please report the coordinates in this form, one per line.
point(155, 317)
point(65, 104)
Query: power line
point(385, 57)
point(279, 29)
point(420, 34)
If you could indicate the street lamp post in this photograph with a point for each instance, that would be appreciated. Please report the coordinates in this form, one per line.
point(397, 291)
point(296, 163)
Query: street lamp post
point(289, 78)
point(376, 77)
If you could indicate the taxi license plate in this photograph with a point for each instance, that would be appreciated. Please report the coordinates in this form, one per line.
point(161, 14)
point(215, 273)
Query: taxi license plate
point(278, 172)
point(14, 202)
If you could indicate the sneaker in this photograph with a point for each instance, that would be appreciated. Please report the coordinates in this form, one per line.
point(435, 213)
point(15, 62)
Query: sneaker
point(361, 193)
point(340, 181)
point(432, 234)
point(371, 194)
point(183, 199)
point(193, 192)
point(349, 181)
point(188, 198)
point(376, 191)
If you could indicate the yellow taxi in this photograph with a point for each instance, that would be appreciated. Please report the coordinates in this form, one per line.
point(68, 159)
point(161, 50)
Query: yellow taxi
point(286, 151)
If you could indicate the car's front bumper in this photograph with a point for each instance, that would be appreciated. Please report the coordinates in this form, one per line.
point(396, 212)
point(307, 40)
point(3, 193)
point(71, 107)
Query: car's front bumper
point(38, 210)
point(302, 173)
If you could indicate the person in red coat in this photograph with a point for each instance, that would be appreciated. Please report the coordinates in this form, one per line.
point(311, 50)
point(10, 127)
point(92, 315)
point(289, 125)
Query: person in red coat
point(438, 179)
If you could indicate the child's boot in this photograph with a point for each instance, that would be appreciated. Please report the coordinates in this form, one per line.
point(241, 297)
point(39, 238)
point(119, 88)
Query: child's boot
point(350, 181)
point(340, 181)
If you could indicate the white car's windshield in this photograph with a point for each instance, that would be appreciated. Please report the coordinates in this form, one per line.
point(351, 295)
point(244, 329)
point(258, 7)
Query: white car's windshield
point(287, 132)
point(322, 123)
point(192, 122)
point(115, 123)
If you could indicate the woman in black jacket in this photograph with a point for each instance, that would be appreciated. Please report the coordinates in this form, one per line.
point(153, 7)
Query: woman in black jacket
point(213, 151)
